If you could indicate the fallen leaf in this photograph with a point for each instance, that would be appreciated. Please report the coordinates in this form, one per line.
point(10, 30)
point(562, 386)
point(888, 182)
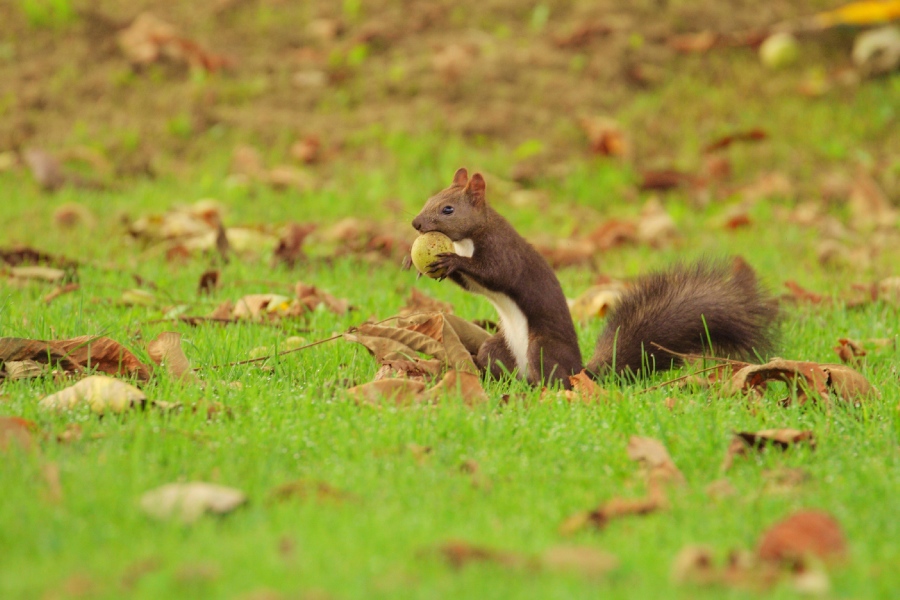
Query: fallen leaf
point(807, 379)
point(50, 475)
point(605, 136)
point(48, 274)
point(877, 51)
point(612, 509)
point(751, 135)
point(583, 560)
point(694, 565)
point(149, 39)
point(585, 387)
point(419, 302)
point(459, 554)
point(18, 431)
point(801, 535)
point(46, 169)
point(75, 354)
point(289, 250)
point(399, 391)
point(61, 290)
point(655, 459)
point(462, 383)
point(849, 352)
point(187, 502)
point(303, 489)
point(800, 294)
point(165, 350)
point(760, 440)
point(209, 281)
point(24, 369)
point(98, 392)
point(596, 301)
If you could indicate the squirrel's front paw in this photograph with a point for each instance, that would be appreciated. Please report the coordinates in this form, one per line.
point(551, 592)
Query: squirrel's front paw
point(444, 265)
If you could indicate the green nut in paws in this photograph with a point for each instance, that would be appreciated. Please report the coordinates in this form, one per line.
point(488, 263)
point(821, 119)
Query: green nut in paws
point(426, 248)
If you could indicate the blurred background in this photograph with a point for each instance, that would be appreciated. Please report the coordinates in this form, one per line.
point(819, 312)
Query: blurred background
point(697, 98)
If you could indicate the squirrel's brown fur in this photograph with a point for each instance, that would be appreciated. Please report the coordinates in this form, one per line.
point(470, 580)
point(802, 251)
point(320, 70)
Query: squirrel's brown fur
point(708, 306)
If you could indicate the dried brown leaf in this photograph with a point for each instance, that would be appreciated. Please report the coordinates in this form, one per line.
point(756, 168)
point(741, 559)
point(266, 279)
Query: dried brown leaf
point(782, 439)
point(398, 391)
point(812, 379)
point(420, 302)
point(61, 290)
point(100, 393)
point(18, 431)
point(75, 354)
point(467, 385)
point(654, 457)
point(48, 274)
point(187, 502)
point(290, 245)
point(165, 350)
point(459, 554)
point(803, 534)
point(582, 560)
point(303, 489)
point(612, 509)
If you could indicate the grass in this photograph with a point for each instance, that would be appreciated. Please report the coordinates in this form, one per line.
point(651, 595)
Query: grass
point(539, 461)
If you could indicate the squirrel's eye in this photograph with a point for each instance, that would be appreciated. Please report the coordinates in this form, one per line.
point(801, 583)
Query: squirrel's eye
point(447, 210)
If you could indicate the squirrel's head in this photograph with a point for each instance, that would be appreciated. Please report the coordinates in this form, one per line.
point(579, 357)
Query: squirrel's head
point(456, 211)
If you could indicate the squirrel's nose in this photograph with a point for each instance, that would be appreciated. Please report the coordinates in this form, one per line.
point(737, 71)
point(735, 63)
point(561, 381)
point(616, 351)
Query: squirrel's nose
point(417, 224)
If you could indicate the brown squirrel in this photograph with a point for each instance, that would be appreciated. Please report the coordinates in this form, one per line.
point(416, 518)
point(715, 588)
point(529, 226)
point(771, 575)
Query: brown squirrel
point(686, 310)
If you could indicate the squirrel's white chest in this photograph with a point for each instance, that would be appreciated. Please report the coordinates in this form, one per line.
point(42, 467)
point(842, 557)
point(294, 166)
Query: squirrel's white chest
point(513, 323)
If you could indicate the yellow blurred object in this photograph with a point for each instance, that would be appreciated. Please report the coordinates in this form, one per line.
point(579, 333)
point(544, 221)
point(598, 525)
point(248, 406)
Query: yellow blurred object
point(860, 13)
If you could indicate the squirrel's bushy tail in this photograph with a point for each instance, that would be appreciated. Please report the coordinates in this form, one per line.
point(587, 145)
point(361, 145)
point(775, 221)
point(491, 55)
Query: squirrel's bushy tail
point(707, 307)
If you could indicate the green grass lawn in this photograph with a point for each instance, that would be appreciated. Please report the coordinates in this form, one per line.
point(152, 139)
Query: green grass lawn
point(538, 461)
point(394, 127)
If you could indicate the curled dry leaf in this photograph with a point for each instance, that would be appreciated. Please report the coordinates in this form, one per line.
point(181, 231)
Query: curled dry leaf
point(255, 307)
point(605, 136)
point(149, 39)
point(583, 560)
point(24, 369)
point(399, 391)
point(462, 383)
point(818, 381)
point(75, 354)
point(695, 565)
point(420, 302)
point(782, 439)
point(187, 502)
point(612, 509)
point(801, 535)
point(311, 297)
point(584, 387)
point(18, 431)
point(100, 393)
point(654, 457)
point(303, 489)
point(289, 250)
point(596, 301)
point(849, 352)
point(166, 351)
point(61, 290)
point(458, 554)
point(48, 274)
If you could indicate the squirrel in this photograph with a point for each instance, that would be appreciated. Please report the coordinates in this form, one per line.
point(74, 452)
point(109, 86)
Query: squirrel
point(688, 309)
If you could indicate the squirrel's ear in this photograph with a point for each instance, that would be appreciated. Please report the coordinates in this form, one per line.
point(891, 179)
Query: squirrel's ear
point(475, 189)
point(461, 178)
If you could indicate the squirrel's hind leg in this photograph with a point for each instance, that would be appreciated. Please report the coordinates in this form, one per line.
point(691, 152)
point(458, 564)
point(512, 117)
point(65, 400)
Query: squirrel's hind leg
point(495, 358)
point(545, 368)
